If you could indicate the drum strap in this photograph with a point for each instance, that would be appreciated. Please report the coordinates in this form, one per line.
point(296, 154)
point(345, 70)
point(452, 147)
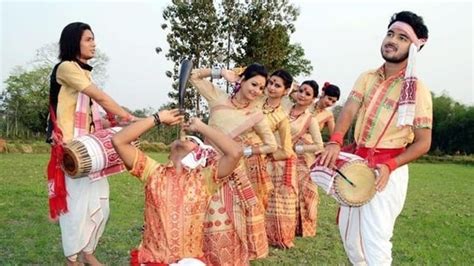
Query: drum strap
point(371, 154)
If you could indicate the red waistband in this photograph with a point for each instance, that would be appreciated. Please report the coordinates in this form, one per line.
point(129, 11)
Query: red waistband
point(379, 155)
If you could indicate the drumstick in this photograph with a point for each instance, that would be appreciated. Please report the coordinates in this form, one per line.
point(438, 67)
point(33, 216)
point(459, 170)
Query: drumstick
point(345, 178)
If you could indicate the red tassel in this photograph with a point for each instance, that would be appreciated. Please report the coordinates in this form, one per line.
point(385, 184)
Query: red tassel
point(112, 120)
point(56, 183)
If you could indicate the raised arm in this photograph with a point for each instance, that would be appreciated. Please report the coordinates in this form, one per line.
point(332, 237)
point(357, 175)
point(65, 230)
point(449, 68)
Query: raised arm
point(231, 150)
point(123, 139)
point(199, 79)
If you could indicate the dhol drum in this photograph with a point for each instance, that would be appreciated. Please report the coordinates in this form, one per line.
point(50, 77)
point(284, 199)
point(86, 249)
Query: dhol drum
point(356, 170)
point(93, 155)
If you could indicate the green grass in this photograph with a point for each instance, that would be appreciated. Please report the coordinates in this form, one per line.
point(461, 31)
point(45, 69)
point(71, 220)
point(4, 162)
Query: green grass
point(435, 227)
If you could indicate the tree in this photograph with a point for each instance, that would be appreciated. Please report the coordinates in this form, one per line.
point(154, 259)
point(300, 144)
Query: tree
point(25, 101)
point(193, 34)
point(453, 126)
point(261, 33)
point(237, 32)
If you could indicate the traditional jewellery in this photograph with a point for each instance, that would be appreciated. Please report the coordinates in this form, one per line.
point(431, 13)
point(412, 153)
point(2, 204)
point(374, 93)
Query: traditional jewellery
point(248, 151)
point(267, 108)
point(238, 105)
point(156, 118)
point(299, 149)
point(216, 72)
point(292, 116)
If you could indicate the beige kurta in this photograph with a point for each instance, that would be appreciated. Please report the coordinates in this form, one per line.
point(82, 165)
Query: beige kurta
point(235, 219)
point(88, 201)
point(305, 131)
point(280, 218)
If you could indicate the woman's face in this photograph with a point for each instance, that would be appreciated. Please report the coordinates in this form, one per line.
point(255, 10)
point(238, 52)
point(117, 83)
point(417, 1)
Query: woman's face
point(275, 87)
point(304, 95)
point(252, 88)
point(328, 101)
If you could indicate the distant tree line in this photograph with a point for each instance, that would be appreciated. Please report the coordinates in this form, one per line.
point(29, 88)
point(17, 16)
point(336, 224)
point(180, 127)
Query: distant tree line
point(24, 110)
point(228, 33)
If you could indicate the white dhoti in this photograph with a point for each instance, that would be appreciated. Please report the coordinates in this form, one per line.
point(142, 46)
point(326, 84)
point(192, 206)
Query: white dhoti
point(366, 231)
point(88, 211)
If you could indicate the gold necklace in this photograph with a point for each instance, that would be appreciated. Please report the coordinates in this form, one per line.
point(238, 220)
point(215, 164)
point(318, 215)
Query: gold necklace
point(267, 108)
point(292, 116)
point(236, 103)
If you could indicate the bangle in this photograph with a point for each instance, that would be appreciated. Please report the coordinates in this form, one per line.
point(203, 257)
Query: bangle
point(216, 72)
point(156, 118)
point(248, 151)
point(299, 149)
point(337, 137)
point(391, 164)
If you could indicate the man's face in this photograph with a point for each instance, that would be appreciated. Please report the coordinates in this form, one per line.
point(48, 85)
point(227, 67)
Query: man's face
point(395, 46)
point(182, 147)
point(87, 45)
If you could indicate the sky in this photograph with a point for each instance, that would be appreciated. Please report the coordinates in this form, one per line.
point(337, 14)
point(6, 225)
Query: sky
point(341, 39)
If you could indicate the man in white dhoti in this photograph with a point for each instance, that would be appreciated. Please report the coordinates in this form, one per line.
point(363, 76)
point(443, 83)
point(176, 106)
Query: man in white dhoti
point(393, 109)
point(82, 204)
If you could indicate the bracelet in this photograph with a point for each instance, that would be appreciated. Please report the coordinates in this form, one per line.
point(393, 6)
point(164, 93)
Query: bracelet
point(248, 151)
point(216, 72)
point(299, 149)
point(337, 137)
point(391, 164)
point(156, 118)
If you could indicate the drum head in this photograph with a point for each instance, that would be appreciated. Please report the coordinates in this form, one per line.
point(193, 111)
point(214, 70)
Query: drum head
point(363, 178)
point(70, 162)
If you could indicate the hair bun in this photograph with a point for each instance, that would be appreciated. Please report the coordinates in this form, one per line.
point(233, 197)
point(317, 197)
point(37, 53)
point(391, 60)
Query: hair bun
point(326, 84)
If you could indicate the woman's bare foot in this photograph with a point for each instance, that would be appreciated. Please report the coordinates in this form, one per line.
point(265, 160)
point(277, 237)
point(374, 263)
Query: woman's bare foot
point(90, 259)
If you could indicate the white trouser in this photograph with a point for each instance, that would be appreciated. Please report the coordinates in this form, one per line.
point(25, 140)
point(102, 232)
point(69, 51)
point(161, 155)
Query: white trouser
point(366, 231)
point(84, 223)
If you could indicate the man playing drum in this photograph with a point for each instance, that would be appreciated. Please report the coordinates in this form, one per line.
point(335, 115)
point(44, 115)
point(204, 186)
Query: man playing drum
point(82, 205)
point(177, 193)
point(390, 91)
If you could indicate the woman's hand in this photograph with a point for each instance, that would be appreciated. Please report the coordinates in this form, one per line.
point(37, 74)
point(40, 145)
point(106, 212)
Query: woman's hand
point(170, 117)
point(230, 75)
point(193, 125)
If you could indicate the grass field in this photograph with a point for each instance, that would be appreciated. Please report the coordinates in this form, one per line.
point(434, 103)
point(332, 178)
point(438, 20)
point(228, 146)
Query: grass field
point(436, 226)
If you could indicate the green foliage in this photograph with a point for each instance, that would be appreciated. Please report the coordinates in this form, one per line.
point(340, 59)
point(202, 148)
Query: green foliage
point(237, 32)
point(453, 126)
point(25, 101)
point(434, 228)
point(192, 35)
point(261, 33)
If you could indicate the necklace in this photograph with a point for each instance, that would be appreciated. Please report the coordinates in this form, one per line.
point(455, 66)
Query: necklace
point(238, 105)
point(267, 108)
point(292, 116)
point(317, 109)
